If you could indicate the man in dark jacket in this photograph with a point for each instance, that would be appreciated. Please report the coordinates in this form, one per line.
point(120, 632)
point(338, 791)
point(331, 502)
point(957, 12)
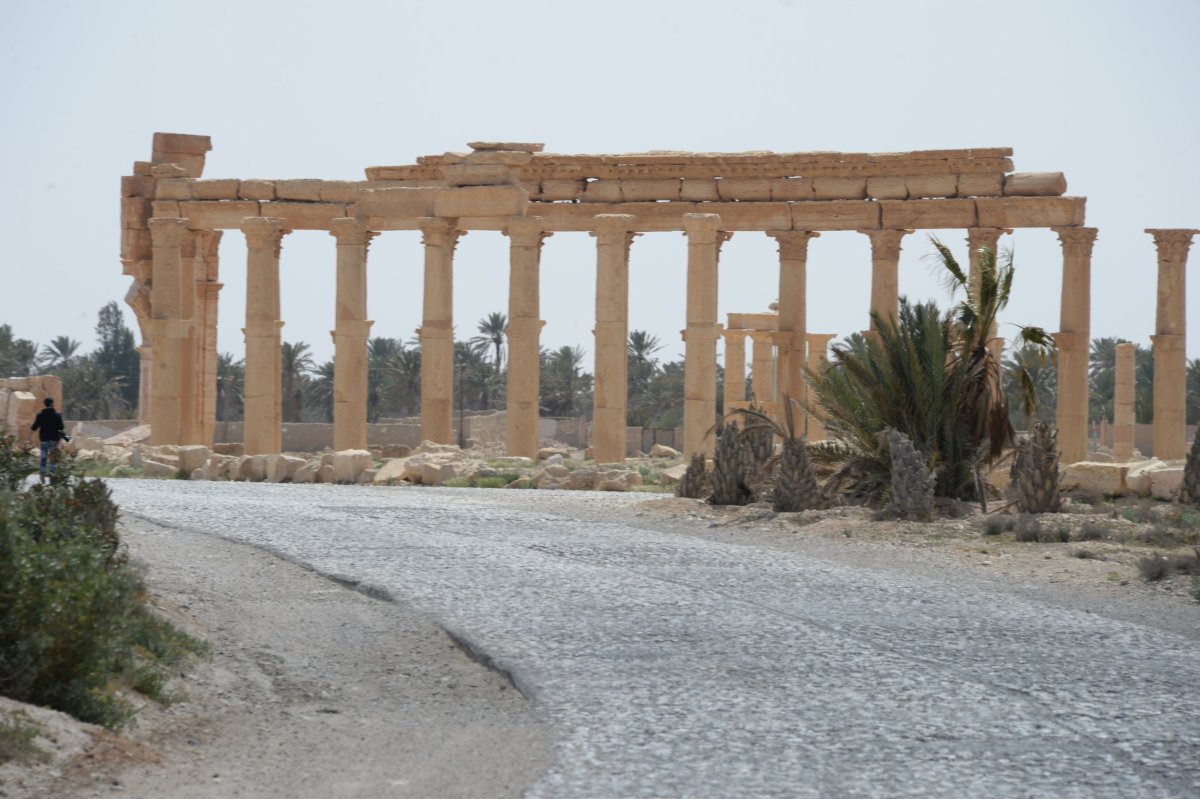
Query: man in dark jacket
point(49, 427)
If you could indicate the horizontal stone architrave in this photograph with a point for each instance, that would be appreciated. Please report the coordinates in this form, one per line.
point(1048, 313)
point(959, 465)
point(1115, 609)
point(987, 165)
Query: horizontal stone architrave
point(391, 201)
point(741, 189)
point(501, 201)
point(304, 216)
point(640, 191)
point(927, 214)
point(135, 213)
point(216, 215)
point(980, 185)
point(835, 215)
point(137, 186)
point(303, 189)
point(1035, 184)
point(223, 189)
point(928, 186)
point(1003, 212)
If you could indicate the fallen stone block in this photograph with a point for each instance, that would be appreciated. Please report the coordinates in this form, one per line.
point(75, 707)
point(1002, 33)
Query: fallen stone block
point(158, 470)
point(366, 477)
point(327, 474)
point(1165, 483)
point(350, 463)
point(672, 475)
point(618, 480)
point(193, 457)
point(391, 472)
point(1106, 479)
point(663, 451)
point(307, 473)
point(136, 435)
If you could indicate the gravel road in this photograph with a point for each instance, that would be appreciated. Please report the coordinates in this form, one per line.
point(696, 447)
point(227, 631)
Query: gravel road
point(677, 666)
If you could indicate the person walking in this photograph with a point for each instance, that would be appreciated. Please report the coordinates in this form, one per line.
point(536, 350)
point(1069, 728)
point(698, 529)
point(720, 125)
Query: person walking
point(49, 426)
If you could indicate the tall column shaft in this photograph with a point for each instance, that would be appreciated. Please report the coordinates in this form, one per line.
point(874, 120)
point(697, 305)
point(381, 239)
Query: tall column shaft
point(885, 272)
point(793, 320)
point(762, 366)
point(735, 369)
point(818, 347)
point(1170, 356)
point(264, 389)
point(524, 334)
point(145, 379)
point(700, 336)
point(1073, 340)
point(350, 333)
point(437, 331)
point(1123, 403)
point(169, 331)
point(613, 238)
point(208, 291)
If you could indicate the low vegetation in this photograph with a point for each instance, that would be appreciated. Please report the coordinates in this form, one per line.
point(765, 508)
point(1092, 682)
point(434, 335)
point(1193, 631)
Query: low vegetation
point(76, 633)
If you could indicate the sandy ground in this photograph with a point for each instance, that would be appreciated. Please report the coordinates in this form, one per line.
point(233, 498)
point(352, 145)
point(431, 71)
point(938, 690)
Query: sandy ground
point(313, 690)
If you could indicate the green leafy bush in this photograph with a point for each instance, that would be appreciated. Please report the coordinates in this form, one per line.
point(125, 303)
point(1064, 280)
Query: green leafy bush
point(72, 619)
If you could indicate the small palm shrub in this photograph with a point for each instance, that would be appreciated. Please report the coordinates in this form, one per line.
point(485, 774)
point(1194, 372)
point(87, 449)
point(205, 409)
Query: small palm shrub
point(912, 482)
point(694, 483)
point(734, 468)
point(795, 486)
point(1035, 476)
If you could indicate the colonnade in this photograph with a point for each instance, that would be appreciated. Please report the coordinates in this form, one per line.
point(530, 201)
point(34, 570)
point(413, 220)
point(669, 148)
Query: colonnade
point(184, 322)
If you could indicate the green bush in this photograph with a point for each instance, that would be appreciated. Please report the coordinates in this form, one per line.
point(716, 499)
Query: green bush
point(18, 734)
point(72, 619)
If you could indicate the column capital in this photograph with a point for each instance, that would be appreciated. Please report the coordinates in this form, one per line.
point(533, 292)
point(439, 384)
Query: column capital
point(1076, 241)
point(1172, 243)
point(701, 227)
point(437, 232)
point(263, 231)
point(526, 231)
point(351, 231)
point(820, 340)
point(735, 335)
point(885, 243)
point(793, 244)
point(167, 231)
point(612, 224)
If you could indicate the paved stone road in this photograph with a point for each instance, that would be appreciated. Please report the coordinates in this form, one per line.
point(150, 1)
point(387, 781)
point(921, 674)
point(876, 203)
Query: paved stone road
point(681, 667)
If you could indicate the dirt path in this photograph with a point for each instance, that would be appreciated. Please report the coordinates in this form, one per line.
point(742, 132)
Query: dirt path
point(313, 690)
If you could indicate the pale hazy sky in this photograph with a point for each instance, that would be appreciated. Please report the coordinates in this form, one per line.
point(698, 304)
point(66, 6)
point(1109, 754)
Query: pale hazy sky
point(1107, 92)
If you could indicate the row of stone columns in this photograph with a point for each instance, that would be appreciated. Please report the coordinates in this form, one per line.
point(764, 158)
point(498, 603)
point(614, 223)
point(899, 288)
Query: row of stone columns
point(182, 386)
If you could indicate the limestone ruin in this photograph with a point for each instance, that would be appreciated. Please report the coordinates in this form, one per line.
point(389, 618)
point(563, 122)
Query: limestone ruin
point(172, 221)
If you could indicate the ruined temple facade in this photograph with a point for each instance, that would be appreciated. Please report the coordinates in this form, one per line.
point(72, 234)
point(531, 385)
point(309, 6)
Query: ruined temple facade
point(172, 221)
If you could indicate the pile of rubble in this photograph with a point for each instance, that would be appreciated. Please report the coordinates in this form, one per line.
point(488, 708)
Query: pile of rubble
point(429, 464)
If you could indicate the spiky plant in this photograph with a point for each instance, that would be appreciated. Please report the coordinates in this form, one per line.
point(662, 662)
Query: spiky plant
point(795, 486)
point(912, 482)
point(1189, 490)
point(694, 483)
point(734, 468)
point(1035, 475)
point(932, 377)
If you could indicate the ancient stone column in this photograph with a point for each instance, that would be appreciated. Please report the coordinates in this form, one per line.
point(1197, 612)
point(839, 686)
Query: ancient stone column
point(885, 272)
point(818, 349)
point(169, 330)
point(793, 319)
point(700, 336)
point(762, 366)
point(437, 330)
point(980, 238)
point(735, 369)
point(1073, 340)
point(613, 237)
point(526, 235)
point(1123, 403)
point(208, 291)
point(350, 333)
point(1170, 357)
point(264, 389)
point(145, 373)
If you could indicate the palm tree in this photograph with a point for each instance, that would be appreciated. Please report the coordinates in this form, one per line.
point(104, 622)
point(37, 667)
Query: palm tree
point(231, 388)
point(1143, 384)
point(318, 398)
point(1040, 374)
point(641, 370)
point(58, 354)
point(295, 363)
point(929, 376)
point(491, 334)
point(18, 356)
point(565, 388)
point(89, 392)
